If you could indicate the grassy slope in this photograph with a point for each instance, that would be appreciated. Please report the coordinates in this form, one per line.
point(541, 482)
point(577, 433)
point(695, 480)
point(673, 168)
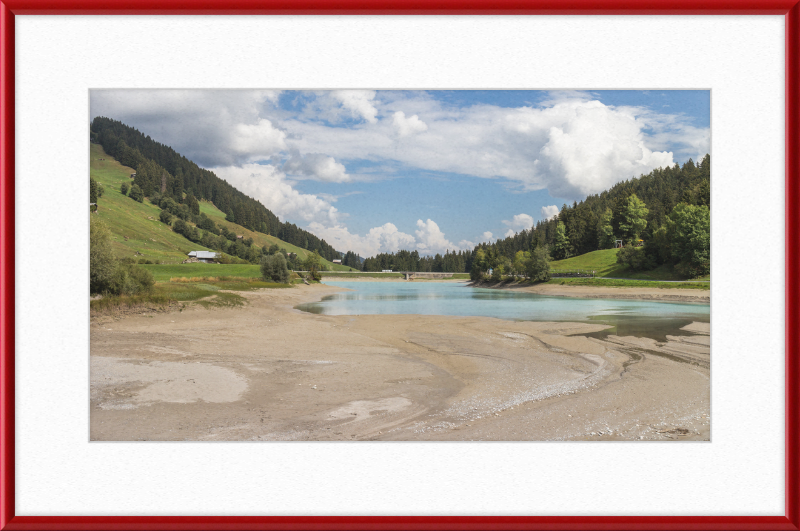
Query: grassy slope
point(146, 234)
point(260, 239)
point(605, 264)
point(136, 221)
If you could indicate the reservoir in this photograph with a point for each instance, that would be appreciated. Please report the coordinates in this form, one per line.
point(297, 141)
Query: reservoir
point(628, 317)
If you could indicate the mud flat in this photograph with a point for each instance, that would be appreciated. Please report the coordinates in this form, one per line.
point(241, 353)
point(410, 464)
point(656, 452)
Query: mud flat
point(270, 372)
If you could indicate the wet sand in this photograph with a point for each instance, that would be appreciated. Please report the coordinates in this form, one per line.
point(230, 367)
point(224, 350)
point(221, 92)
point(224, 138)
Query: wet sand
point(270, 372)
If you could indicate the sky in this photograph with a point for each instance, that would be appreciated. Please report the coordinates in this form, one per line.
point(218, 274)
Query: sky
point(378, 171)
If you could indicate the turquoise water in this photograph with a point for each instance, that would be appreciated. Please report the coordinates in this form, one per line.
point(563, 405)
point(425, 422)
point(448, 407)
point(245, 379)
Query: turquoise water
point(640, 318)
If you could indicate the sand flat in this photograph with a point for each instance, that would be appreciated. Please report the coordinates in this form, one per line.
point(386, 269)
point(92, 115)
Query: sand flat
point(270, 372)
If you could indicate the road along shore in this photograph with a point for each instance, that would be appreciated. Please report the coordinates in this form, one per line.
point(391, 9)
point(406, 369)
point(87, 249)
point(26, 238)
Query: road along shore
point(270, 372)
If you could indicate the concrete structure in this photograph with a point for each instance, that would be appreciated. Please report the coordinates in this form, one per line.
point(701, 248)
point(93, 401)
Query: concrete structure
point(411, 275)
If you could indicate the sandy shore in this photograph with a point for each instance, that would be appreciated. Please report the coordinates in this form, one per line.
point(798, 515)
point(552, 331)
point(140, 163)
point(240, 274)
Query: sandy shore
point(270, 372)
point(606, 292)
point(557, 290)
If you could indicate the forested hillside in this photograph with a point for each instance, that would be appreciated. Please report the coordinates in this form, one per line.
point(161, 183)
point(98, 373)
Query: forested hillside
point(585, 222)
point(664, 209)
point(160, 169)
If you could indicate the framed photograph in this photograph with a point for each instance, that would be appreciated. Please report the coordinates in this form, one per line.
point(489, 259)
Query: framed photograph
point(400, 266)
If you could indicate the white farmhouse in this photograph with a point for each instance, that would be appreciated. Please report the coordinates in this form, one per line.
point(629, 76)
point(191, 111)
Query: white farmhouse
point(203, 256)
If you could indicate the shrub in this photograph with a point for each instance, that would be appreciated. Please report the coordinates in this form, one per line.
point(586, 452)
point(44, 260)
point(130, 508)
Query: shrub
point(124, 188)
point(537, 268)
point(136, 193)
point(497, 273)
point(165, 217)
point(635, 258)
point(102, 263)
point(206, 224)
point(693, 269)
point(107, 275)
point(130, 279)
point(186, 230)
point(689, 229)
point(274, 268)
point(93, 187)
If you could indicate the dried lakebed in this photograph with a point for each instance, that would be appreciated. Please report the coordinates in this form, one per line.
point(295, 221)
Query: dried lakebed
point(273, 372)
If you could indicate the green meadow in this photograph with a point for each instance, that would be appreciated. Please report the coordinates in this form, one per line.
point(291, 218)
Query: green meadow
point(604, 264)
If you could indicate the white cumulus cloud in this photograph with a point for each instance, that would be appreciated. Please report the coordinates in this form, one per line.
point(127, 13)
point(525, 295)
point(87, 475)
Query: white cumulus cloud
point(258, 140)
point(316, 166)
point(358, 102)
point(408, 126)
point(430, 239)
point(384, 239)
point(519, 222)
point(210, 127)
point(487, 236)
point(265, 183)
point(548, 212)
point(572, 147)
point(387, 238)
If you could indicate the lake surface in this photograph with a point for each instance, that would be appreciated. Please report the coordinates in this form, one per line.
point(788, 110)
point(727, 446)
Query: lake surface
point(638, 318)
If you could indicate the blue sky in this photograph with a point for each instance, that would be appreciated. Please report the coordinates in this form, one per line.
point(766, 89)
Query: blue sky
point(376, 171)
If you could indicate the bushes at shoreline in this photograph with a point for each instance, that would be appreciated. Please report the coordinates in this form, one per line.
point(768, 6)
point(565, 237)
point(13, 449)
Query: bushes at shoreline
point(109, 276)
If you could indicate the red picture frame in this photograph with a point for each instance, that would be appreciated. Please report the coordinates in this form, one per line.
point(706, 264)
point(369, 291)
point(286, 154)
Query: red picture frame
point(790, 9)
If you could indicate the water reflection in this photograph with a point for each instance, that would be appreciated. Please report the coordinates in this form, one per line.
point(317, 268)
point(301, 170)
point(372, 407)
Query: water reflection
point(638, 318)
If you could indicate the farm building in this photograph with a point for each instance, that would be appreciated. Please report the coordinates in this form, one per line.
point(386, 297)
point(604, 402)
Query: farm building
point(203, 256)
point(337, 261)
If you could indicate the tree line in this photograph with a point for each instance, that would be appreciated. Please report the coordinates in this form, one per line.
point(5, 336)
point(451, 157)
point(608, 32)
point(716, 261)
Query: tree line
point(659, 208)
point(598, 220)
point(667, 211)
point(160, 169)
point(450, 262)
